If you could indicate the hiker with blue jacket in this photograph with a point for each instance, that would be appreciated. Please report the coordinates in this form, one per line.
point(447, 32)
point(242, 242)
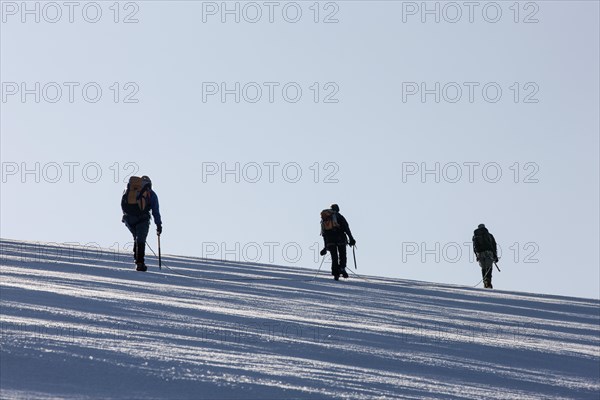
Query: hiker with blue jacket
point(137, 202)
point(336, 235)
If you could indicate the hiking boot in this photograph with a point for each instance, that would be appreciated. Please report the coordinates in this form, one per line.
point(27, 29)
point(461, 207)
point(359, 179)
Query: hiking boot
point(141, 267)
point(336, 277)
point(344, 273)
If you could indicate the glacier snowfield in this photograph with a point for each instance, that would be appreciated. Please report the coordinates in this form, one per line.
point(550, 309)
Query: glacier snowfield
point(81, 323)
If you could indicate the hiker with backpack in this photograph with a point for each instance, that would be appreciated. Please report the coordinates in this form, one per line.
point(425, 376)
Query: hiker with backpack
point(486, 252)
point(137, 202)
point(336, 232)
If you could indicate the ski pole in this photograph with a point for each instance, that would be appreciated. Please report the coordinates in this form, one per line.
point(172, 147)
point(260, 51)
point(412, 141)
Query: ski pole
point(319, 270)
point(354, 256)
point(497, 267)
point(159, 259)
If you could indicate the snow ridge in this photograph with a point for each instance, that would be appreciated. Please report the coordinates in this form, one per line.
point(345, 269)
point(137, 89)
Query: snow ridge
point(81, 323)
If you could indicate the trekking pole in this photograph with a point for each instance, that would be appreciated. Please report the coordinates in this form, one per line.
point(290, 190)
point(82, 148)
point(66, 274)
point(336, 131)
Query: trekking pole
point(159, 259)
point(319, 270)
point(354, 256)
point(497, 267)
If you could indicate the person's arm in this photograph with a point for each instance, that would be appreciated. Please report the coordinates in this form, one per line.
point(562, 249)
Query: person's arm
point(324, 250)
point(346, 228)
point(475, 249)
point(155, 209)
point(495, 248)
point(123, 202)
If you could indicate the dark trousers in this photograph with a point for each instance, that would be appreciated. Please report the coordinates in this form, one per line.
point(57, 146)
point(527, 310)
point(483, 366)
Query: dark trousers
point(486, 262)
point(140, 233)
point(338, 258)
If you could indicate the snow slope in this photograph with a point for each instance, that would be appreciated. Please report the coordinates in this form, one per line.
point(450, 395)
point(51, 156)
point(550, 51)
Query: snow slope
point(81, 323)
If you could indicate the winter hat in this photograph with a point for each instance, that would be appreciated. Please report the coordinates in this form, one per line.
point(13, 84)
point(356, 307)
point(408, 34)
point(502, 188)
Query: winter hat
point(146, 181)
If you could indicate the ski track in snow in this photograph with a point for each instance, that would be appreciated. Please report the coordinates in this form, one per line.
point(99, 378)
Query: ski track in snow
point(81, 323)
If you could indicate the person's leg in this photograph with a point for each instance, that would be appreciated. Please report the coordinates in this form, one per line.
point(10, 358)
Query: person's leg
point(343, 260)
point(482, 264)
point(490, 269)
point(131, 229)
point(335, 265)
point(486, 261)
point(135, 257)
point(142, 229)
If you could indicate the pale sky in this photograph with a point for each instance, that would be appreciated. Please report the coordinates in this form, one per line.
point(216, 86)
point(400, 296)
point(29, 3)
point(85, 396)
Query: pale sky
point(419, 130)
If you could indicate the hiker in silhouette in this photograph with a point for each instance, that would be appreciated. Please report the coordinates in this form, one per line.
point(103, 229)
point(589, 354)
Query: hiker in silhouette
point(486, 252)
point(336, 235)
point(137, 202)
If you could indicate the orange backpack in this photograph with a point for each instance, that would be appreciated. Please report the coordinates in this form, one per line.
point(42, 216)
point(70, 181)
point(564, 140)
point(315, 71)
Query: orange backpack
point(328, 220)
point(137, 193)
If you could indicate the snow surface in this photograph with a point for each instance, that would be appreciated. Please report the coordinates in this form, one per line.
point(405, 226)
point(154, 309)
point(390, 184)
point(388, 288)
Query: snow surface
point(81, 323)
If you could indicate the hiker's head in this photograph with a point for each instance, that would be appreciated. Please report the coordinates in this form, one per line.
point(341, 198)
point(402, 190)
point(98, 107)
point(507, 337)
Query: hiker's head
point(480, 226)
point(146, 181)
point(335, 207)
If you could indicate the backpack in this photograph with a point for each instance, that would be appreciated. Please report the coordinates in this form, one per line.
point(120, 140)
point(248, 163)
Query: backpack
point(482, 241)
point(136, 196)
point(329, 220)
